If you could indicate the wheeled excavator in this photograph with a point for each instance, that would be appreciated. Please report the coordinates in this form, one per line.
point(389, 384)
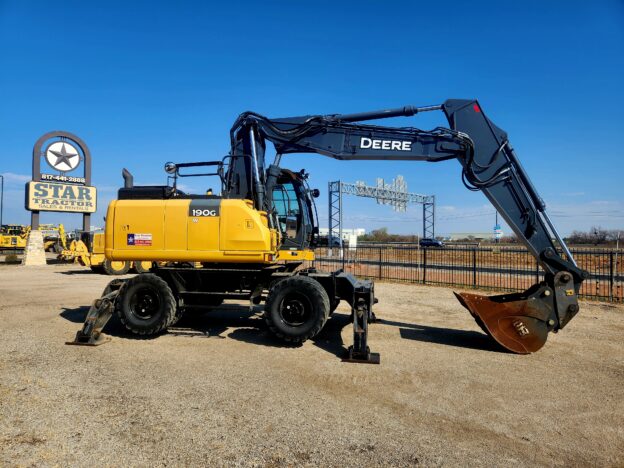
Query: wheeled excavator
point(253, 238)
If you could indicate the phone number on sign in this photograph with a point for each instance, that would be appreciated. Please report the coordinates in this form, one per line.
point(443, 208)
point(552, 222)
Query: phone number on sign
point(59, 178)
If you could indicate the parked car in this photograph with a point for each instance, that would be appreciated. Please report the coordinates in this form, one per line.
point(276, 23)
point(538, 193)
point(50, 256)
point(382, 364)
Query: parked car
point(431, 243)
point(323, 241)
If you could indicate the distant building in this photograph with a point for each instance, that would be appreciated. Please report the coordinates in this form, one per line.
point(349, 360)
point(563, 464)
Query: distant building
point(475, 236)
point(346, 233)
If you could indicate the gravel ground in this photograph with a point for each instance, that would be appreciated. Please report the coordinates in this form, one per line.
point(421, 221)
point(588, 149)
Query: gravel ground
point(220, 390)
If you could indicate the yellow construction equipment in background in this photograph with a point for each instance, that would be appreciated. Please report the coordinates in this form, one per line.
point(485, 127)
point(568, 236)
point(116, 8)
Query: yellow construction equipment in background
point(15, 237)
point(54, 237)
point(89, 251)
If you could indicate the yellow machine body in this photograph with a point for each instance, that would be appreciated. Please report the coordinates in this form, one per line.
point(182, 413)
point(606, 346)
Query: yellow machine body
point(97, 255)
point(190, 230)
point(295, 255)
point(14, 237)
point(78, 251)
point(9, 241)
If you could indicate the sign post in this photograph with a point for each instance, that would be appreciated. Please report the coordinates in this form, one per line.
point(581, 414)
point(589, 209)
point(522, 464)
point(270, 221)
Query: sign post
point(64, 152)
point(57, 191)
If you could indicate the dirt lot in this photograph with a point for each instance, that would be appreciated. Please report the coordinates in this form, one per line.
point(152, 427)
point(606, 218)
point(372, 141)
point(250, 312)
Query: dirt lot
point(221, 390)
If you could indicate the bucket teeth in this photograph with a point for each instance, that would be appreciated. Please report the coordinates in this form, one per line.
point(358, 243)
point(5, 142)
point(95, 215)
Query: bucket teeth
point(516, 322)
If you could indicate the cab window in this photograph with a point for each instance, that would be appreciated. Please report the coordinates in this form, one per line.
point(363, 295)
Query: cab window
point(287, 208)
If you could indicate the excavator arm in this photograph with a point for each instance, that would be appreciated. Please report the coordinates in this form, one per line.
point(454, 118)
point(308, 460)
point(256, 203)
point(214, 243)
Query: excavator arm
point(519, 322)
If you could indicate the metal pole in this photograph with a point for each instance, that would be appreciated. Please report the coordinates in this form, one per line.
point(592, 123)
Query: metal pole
point(611, 274)
point(334, 213)
point(474, 267)
point(617, 251)
point(258, 187)
point(425, 265)
point(340, 219)
point(329, 219)
point(1, 197)
point(433, 210)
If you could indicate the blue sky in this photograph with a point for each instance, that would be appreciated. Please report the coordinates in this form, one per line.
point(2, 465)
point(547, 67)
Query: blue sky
point(147, 82)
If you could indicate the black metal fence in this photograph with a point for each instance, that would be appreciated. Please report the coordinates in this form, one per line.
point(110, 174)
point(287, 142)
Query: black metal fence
point(496, 268)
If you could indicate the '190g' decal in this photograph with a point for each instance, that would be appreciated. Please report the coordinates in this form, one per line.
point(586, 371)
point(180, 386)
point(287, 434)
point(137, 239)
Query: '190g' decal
point(199, 212)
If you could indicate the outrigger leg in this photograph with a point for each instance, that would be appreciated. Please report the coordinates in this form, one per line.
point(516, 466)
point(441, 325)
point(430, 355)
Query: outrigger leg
point(98, 316)
point(362, 312)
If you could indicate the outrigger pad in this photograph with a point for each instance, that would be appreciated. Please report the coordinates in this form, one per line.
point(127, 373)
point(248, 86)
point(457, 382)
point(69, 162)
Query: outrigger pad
point(518, 322)
point(362, 358)
point(87, 340)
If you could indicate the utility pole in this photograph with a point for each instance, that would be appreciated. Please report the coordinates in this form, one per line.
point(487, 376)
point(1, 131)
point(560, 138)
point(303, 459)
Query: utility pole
point(1, 197)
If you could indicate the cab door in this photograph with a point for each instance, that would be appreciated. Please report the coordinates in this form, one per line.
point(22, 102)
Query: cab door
point(292, 213)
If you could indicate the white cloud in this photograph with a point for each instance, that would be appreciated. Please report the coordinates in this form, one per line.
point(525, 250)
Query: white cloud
point(16, 178)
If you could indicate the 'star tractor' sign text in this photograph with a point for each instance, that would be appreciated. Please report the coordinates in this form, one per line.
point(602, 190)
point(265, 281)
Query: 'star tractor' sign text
point(54, 196)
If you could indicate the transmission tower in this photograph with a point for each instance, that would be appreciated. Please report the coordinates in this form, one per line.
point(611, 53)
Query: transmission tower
point(395, 194)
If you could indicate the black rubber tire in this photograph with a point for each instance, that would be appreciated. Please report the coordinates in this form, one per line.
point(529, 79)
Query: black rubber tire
point(296, 308)
point(139, 268)
point(146, 304)
point(178, 316)
point(110, 270)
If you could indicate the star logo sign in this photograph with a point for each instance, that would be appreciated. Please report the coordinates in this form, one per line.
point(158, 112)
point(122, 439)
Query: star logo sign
point(62, 156)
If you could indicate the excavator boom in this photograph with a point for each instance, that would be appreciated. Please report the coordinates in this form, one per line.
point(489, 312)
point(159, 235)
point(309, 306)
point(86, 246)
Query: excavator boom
point(519, 322)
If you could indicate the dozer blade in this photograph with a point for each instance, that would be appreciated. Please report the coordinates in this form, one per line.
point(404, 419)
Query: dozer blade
point(517, 322)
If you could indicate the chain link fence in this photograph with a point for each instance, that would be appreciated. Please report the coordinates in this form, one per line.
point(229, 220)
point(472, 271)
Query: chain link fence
point(494, 268)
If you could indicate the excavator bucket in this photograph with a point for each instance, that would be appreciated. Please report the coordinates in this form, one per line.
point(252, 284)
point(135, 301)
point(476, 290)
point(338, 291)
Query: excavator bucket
point(517, 322)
